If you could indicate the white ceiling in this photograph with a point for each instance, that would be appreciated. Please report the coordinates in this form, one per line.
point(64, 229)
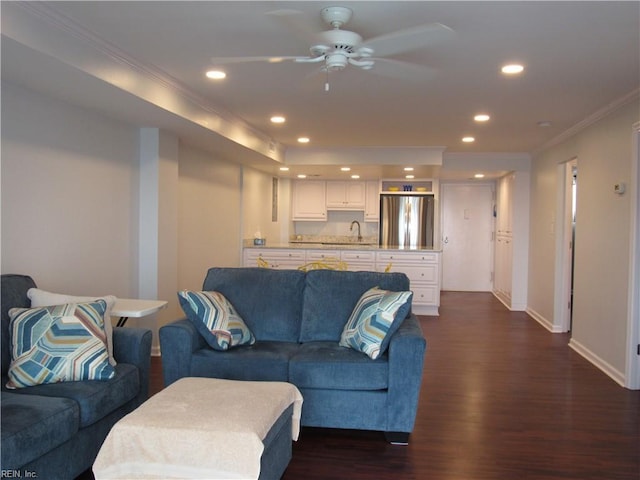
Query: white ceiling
point(579, 57)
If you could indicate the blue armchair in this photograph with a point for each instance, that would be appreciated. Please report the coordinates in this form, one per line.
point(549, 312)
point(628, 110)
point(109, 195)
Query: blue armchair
point(56, 430)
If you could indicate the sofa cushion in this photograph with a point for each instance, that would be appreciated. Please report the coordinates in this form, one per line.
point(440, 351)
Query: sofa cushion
point(58, 344)
point(331, 295)
point(42, 298)
point(376, 317)
point(326, 365)
point(95, 399)
point(269, 301)
point(32, 425)
point(263, 361)
point(215, 319)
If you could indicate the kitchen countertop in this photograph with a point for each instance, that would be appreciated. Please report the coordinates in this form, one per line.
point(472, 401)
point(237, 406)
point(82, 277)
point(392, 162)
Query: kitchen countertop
point(330, 246)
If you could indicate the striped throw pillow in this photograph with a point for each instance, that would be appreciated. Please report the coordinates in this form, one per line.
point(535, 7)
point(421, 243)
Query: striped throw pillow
point(61, 343)
point(216, 319)
point(376, 316)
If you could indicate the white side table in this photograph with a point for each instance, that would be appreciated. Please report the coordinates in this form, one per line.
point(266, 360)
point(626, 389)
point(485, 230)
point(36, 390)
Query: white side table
point(135, 307)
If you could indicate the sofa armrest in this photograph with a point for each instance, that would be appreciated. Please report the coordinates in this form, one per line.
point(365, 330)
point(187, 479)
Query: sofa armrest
point(406, 360)
point(178, 341)
point(133, 345)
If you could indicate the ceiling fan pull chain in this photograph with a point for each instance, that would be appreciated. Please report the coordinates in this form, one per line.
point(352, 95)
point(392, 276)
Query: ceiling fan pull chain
point(326, 83)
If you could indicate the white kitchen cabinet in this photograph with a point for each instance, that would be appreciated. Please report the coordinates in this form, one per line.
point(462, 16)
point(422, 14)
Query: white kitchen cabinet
point(512, 237)
point(276, 258)
point(423, 270)
point(309, 201)
point(504, 205)
point(421, 267)
point(345, 195)
point(372, 201)
point(359, 260)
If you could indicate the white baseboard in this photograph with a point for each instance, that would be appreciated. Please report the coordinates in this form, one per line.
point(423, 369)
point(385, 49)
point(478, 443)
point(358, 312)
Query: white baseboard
point(543, 321)
point(425, 310)
point(155, 351)
point(507, 302)
point(607, 368)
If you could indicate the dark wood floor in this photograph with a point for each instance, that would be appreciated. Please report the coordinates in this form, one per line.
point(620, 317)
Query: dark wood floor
point(502, 398)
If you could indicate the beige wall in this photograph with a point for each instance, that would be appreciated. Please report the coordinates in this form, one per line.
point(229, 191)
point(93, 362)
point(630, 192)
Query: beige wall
point(257, 188)
point(69, 200)
point(603, 152)
point(209, 214)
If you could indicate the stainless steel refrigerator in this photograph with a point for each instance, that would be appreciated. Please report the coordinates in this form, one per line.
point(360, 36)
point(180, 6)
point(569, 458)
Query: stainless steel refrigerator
point(406, 221)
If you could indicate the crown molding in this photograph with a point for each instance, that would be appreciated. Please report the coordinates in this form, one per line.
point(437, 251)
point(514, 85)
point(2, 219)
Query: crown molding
point(590, 120)
point(224, 121)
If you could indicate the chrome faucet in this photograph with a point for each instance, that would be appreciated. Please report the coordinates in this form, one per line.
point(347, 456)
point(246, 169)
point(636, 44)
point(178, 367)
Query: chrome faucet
point(351, 229)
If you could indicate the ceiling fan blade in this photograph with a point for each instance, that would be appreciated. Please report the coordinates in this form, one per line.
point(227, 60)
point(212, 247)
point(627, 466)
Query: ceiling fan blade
point(295, 21)
point(228, 60)
point(392, 68)
point(409, 39)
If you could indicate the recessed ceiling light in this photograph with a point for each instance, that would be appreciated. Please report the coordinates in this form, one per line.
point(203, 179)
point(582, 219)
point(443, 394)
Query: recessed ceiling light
point(408, 169)
point(512, 69)
point(345, 169)
point(216, 74)
point(284, 169)
point(303, 140)
point(409, 176)
point(468, 139)
point(479, 175)
point(482, 117)
point(302, 175)
point(278, 119)
point(355, 177)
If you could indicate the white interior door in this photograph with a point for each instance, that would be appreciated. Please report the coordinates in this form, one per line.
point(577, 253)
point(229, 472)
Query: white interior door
point(467, 237)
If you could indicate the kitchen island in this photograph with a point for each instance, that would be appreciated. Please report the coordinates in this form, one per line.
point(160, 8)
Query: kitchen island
point(422, 266)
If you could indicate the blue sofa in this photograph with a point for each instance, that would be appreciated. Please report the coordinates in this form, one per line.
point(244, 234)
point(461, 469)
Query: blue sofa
point(55, 431)
point(297, 318)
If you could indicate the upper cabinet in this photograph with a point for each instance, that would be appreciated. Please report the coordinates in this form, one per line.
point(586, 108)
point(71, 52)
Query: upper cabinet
point(309, 200)
point(372, 201)
point(504, 204)
point(345, 195)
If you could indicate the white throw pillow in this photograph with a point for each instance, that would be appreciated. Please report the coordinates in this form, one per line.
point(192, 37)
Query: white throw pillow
point(42, 298)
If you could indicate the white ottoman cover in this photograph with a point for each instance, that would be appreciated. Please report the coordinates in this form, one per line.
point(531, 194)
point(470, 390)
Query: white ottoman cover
point(198, 428)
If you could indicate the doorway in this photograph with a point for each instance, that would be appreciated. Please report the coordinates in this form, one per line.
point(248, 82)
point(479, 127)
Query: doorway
point(467, 236)
point(568, 173)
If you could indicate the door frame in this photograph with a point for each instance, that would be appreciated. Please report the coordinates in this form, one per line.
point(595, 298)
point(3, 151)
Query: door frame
point(632, 370)
point(564, 248)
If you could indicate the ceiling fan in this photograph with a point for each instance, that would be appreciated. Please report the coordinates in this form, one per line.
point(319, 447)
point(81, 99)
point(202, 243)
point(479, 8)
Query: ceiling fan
point(335, 49)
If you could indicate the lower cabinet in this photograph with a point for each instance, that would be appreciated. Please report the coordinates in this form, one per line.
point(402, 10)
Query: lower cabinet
point(423, 270)
point(359, 260)
point(281, 259)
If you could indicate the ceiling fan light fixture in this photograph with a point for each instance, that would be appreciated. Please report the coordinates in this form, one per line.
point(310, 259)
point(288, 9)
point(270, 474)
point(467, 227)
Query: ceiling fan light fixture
point(335, 62)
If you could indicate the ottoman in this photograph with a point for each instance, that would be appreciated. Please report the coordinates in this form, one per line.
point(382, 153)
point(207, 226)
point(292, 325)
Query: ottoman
point(205, 428)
